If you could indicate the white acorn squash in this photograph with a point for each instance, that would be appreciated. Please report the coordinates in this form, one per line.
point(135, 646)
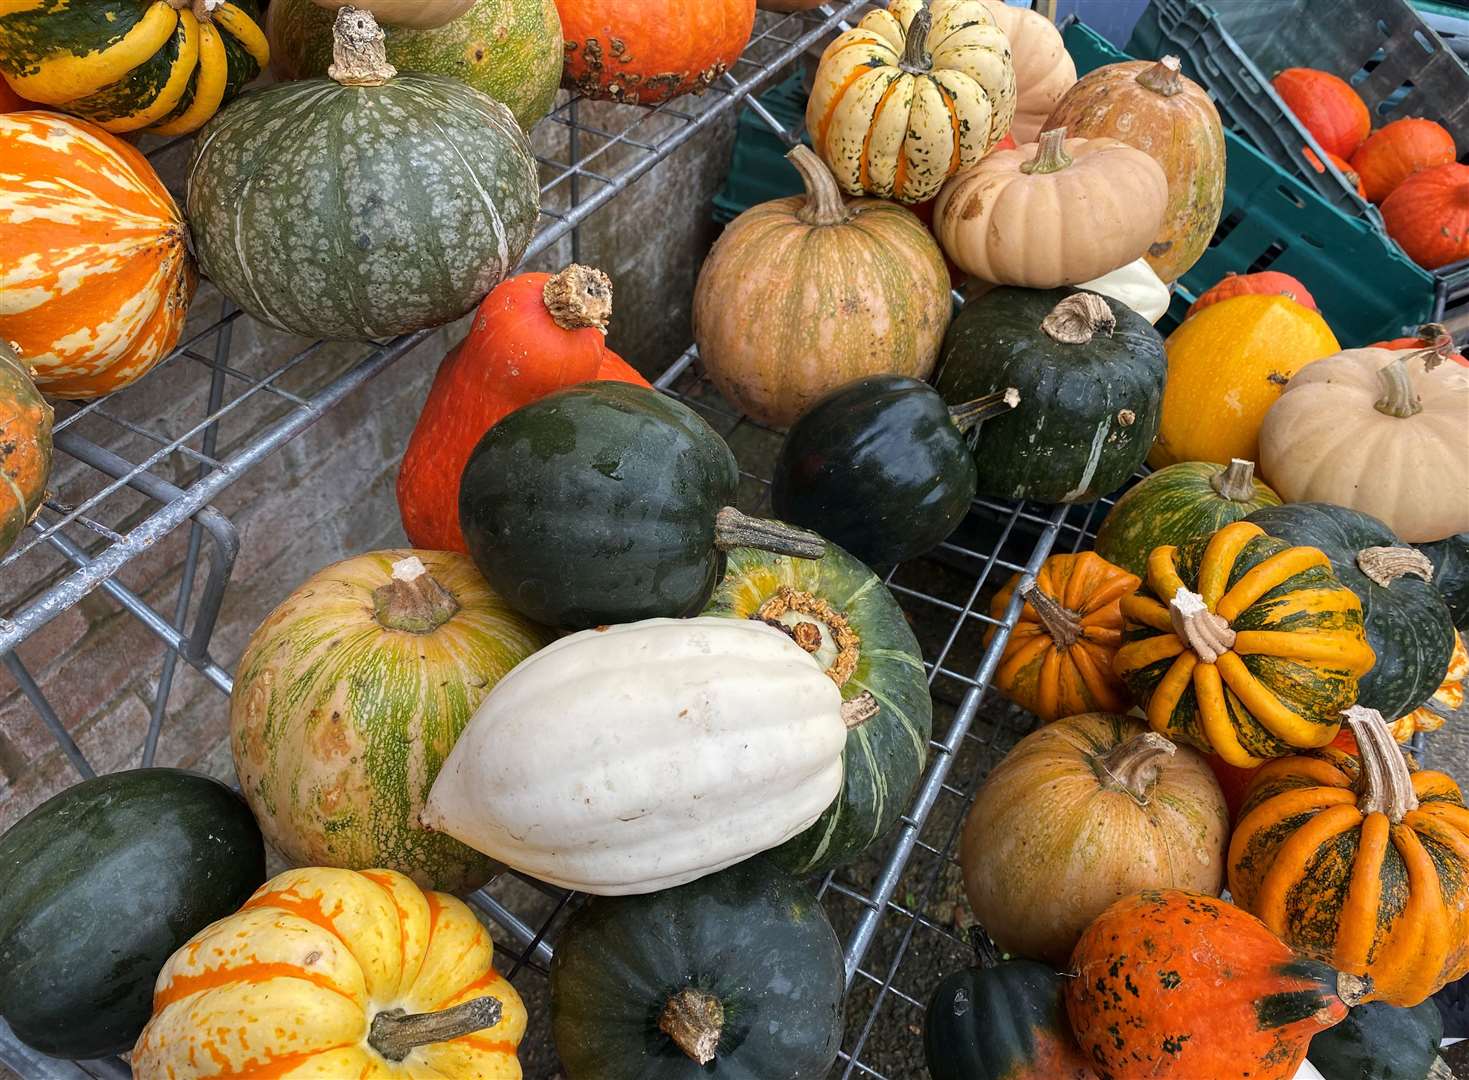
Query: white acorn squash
point(1135, 285)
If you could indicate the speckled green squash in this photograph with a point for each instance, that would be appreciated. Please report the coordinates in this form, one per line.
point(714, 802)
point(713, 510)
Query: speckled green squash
point(25, 447)
point(1450, 560)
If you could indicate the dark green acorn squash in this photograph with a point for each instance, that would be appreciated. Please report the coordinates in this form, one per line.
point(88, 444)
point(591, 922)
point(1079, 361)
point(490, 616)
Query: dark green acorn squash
point(1450, 560)
point(99, 885)
point(1090, 373)
point(1378, 1041)
point(737, 976)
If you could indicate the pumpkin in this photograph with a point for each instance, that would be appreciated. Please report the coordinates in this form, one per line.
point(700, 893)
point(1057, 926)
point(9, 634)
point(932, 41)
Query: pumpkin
point(330, 972)
point(1056, 212)
point(98, 274)
point(1136, 286)
point(1226, 367)
point(645, 52)
point(1082, 812)
point(1361, 861)
point(406, 223)
point(1428, 215)
point(841, 613)
point(98, 885)
point(1378, 1041)
point(1089, 371)
point(1240, 644)
point(916, 92)
point(1431, 336)
point(132, 65)
point(1379, 431)
point(583, 765)
point(1397, 150)
point(348, 699)
point(1450, 558)
point(1058, 659)
point(25, 447)
point(1266, 282)
point(1177, 503)
point(1044, 70)
point(881, 466)
point(510, 50)
point(607, 503)
point(874, 298)
point(1343, 166)
point(1327, 107)
point(1177, 986)
point(735, 975)
point(534, 333)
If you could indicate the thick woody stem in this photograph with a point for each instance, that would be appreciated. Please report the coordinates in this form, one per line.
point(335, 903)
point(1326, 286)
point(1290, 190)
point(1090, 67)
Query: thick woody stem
point(1386, 786)
point(1134, 766)
point(1164, 77)
point(733, 529)
point(1398, 397)
point(1078, 318)
point(1384, 565)
point(968, 416)
point(1050, 154)
point(1236, 481)
point(1063, 624)
point(579, 298)
point(824, 202)
point(916, 60)
point(859, 710)
point(359, 57)
point(1438, 345)
point(694, 1020)
point(1352, 989)
point(394, 1034)
point(413, 601)
point(1208, 635)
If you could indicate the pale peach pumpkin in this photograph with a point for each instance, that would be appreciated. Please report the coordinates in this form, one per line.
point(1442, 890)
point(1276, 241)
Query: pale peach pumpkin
point(1044, 70)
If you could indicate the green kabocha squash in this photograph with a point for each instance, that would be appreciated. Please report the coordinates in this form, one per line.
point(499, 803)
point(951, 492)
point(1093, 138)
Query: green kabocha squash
point(840, 612)
point(365, 205)
point(1378, 1041)
point(1450, 560)
point(1089, 371)
point(99, 885)
point(736, 976)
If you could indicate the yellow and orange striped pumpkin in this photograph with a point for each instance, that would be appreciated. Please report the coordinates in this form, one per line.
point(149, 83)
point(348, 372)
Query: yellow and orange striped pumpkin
point(95, 276)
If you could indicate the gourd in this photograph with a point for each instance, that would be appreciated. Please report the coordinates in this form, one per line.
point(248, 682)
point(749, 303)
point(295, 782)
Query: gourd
point(1397, 150)
point(98, 885)
point(420, 14)
point(916, 92)
point(1342, 165)
point(405, 224)
point(1428, 215)
point(1361, 861)
point(1450, 558)
point(133, 65)
point(1051, 213)
point(348, 699)
point(735, 975)
point(1265, 282)
point(873, 298)
point(1177, 503)
point(98, 273)
point(1089, 371)
point(330, 972)
point(1327, 107)
point(1240, 644)
point(1226, 367)
point(1058, 659)
point(25, 447)
point(1082, 812)
point(1175, 985)
point(1446, 700)
point(638, 757)
point(1378, 1041)
point(881, 466)
point(1044, 70)
point(1379, 431)
point(1153, 107)
point(1136, 286)
point(841, 613)
point(608, 503)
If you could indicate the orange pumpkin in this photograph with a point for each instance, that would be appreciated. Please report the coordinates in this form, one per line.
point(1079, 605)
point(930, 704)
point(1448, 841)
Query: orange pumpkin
point(25, 447)
point(1430, 336)
point(1396, 151)
point(1342, 164)
point(1428, 215)
point(1327, 107)
point(97, 275)
point(1266, 282)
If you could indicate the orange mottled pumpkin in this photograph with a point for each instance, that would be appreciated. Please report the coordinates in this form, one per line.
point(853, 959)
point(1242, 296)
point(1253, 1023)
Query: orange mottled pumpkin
point(1267, 282)
point(1396, 151)
point(1342, 164)
point(1428, 215)
point(1327, 107)
point(25, 447)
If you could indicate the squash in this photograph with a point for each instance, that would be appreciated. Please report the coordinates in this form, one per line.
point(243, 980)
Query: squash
point(10, 101)
point(1136, 286)
point(873, 298)
point(638, 757)
point(881, 466)
point(25, 447)
point(348, 699)
point(132, 65)
point(1089, 371)
point(98, 885)
point(1240, 644)
point(841, 613)
point(328, 972)
point(1428, 215)
point(1342, 165)
point(1266, 282)
point(510, 50)
point(1226, 367)
point(1177, 503)
point(607, 503)
point(1152, 106)
point(1446, 700)
point(1044, 70)
point(1361, 861)
point(405, 224)
point(1178, 986)
point(1080, 813)
point(1378, 1041)
point(916, 92)
point(98, 273)
point(735, 975)
point(1327, 107)
point(1450, 558)
point(646, 52)
point(1051, 213)
point(1058, 659)
point(1397, 150)
point(1379, 431)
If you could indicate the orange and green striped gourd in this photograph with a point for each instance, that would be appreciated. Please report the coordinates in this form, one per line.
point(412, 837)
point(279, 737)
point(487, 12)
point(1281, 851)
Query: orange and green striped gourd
point(25, 447)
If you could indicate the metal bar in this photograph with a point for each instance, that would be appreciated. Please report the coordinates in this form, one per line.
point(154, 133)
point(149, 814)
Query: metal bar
point(48, 715)
point(31, 1064)
point(527, 936)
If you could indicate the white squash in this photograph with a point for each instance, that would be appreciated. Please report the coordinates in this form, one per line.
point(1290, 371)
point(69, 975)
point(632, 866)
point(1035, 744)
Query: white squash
point(418, 14)
point(1136, 286)
point(643, 756)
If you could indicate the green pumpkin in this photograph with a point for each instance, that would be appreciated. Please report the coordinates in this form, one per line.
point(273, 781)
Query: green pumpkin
point(1378, 1041)
point(1089, 371)
point(865, 644)
point(1450, 560)
point(740, 969)
point(25, 450)
point(99, 885)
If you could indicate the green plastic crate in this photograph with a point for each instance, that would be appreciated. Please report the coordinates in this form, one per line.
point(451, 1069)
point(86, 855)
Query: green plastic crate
point(759, 170)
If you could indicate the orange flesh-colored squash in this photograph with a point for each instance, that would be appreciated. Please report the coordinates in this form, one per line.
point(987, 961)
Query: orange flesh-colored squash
point(1428, 215)
point(1327, 107)
point(1398, 150)
point(1342, 164)
point(1267, 282)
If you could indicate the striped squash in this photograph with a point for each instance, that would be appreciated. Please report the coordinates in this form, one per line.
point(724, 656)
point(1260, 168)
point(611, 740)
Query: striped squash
point(162, 66)
point(95, 275)
point(313, 976)
point(1242, 645)
point(25, 447)
point(912, 95)
point(348, 699)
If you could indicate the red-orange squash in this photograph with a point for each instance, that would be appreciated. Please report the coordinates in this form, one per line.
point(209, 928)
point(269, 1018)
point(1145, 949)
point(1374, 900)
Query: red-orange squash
point(1342, 164)
point(1327, 107)
point(1267, 282)
point(25, 447)
point(1428, 215)
point(1396, 151)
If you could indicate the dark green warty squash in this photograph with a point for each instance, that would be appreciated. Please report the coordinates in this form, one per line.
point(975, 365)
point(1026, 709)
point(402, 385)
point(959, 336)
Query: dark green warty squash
point(1450, 560)
point(1378, 1041)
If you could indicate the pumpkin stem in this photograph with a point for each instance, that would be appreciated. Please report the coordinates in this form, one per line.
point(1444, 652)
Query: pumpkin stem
point(1398, 397)
point(968, 416)
point(359, 57)
point(579, 298)
point(1134, 766)
point(1438, 345)
point(1208, 635)
point(1063, 624)
point(1164, 77)
point(734, 529)
point(824, 202)
point(986, 956)
point(817, 627)
point(1236, 481)
point(1352, 989)
point(1076, 319)
point(394, 1033)
point(859, 710)
point(1050, 154)
point(694, 1020)
point(916, 59)
point(1386, 785)
point(1384, 565)
point(1439, 1070)
point(413, 601)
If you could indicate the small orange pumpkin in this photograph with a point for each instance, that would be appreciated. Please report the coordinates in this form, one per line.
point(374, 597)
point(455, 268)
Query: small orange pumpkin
point(1428, 215)
point(1396, 151)
point(1326, 106)
point(1342, 164)
point(1266, 282)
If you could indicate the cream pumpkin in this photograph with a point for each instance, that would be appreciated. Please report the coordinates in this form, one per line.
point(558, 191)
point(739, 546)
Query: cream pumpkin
point(1044, 70)
point(418, 14)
